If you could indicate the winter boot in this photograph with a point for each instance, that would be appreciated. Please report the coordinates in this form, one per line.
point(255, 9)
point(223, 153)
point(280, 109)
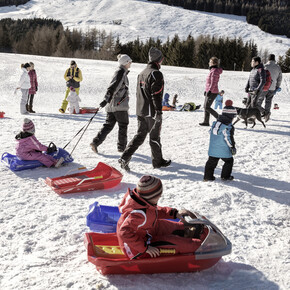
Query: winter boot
point(209, 179)
point(94, 147)
point(30, 110)
point(164, 163)
point(27, 107)
point(204, 124)
point(267, 117)
point(228, 178)
point(124, 164)
point(59, 162)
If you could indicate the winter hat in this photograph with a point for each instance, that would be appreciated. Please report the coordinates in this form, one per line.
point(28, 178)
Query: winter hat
point(72, 62)
point(72, 88)
point(271, 57)
point(155, 55)
point(26, 65)
point(166, 97)
point(28, 126)
point(124, 59)
point(229, 110)
point(149, 187)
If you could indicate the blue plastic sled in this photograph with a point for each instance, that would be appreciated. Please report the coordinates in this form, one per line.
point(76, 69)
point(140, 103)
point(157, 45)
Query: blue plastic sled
point(103, 219)
point(16, 164)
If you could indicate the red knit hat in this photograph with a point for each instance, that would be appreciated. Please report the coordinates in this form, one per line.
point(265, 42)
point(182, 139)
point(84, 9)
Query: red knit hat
point(28, 126)
point(229, 110)
point(149, 187)
point(229, 103)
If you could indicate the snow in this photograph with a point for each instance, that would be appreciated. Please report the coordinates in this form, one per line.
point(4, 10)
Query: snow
point(145, 19)
point(42, 232)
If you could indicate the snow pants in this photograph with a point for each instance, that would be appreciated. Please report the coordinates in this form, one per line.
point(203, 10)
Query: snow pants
point(45, 159)
point(65, 102)
point(23, 101)
point(268, 97)
point(211, 164)
point(146, 125)
point(218, 105)
point(112, 118)
point(207, 107)
point(74, 106)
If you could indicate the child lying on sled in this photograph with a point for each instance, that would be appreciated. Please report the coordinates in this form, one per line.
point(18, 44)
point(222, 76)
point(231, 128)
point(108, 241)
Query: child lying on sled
point(29, 148)
point(142, 228)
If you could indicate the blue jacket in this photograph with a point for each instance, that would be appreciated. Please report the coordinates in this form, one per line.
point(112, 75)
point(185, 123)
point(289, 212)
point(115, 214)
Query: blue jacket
point(221, 138)
point(219, 99)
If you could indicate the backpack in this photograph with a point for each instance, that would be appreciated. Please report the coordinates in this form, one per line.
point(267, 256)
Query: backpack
point(268, 81)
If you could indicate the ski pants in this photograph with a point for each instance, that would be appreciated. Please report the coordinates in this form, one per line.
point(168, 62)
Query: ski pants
point(146, 125)
point(112, 118)
point(65, 102)
point(207, 107)
point(74, 106)
point(218, 105)
point(253, 99)
point(30, 100)
point(45, 159)
point(23, 101)
point(268, 97)
point(211, 164)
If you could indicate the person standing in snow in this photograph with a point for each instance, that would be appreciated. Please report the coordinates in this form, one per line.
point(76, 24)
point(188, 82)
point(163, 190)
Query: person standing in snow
point(73, 100)
point(116, 101)
point(211, 89)
point(222, 144)
point(143, 228)
point(150, 85)
point(73, 76)
point(33, 88)
point(219, 100)
point(24, 86)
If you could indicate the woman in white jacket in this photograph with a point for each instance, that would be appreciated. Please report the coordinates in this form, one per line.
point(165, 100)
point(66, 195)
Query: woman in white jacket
point(24, 86)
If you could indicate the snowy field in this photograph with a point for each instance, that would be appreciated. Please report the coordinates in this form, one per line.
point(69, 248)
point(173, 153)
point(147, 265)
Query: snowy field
point(143, 19)
point(42, 232)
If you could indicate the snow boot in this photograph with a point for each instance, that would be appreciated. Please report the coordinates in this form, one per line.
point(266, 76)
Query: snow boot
point(164, 163)
point(209, 179)
point(228, 178)
point(124, 164)
point(59, 162)
point(30, 110)
point(267, 117)
point(204, 124)
point(94, 147)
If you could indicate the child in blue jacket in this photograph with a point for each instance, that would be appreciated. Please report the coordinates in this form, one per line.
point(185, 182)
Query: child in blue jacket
point(222, 144)
point(219, 100)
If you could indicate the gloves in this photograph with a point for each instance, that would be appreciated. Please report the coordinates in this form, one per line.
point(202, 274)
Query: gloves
point(233, 150)
point(51, 148)
point(103, 103)
point(246, 90)
point(158, 116)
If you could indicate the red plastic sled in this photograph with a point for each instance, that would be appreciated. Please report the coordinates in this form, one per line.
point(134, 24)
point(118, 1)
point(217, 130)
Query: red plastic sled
point(102, 177)
point(88, 110)
point(104, 252)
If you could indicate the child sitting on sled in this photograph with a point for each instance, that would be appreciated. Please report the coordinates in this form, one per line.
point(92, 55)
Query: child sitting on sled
point(165, 103)
point(143, 227)
point(29, 148)
point(73, 100)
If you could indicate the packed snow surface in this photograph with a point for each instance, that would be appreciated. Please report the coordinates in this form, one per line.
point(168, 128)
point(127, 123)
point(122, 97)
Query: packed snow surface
point(42, 232)
point(129, 19)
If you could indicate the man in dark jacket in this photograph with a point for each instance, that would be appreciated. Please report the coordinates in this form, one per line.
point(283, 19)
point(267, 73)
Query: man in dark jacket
point(150, 85)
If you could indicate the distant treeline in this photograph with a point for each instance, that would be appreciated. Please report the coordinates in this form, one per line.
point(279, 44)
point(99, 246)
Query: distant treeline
point(48, 37)
point(270, 15)
point(12, 2)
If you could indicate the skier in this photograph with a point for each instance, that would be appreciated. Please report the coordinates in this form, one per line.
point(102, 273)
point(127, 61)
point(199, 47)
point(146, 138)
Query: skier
point(142, 228)
point(116, 101)
point(222, 144)
point(150, 85)
point(73, 100)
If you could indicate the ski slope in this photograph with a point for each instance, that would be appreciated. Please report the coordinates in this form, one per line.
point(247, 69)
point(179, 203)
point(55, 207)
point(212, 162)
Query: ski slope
point(41, 241)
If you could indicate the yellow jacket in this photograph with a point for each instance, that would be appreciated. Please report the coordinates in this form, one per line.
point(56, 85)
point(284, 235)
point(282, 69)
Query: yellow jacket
point(77, 77)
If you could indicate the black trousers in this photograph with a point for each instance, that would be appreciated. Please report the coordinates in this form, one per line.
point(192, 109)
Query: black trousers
point(112, 118)
point(207, 107)
point(30, 100)
point(211, 164)
point(146, 125)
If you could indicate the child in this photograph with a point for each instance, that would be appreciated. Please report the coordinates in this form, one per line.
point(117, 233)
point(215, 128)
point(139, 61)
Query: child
point(222, 144)
point(33, 88)
point(219, 100)
point(29, 148)
point(142, 228)
point(24, 86)
point(73, 99)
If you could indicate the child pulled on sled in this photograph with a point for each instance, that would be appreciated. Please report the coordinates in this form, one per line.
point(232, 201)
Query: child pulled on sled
point(143, 227)
point(29, 148)
point(222, 144)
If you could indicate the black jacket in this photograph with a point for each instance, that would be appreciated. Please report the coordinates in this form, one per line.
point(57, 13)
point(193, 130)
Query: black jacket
point(257, 78)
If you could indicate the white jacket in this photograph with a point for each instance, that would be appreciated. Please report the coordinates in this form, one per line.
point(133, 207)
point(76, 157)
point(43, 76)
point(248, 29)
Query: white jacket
point(73, 97)
point(24, 82)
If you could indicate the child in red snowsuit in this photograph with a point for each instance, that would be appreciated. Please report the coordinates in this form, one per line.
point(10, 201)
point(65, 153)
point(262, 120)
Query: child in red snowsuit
point(142, 228)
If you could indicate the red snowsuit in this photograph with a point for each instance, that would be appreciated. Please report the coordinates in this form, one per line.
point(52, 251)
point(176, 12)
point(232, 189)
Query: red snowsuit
point(142, 224)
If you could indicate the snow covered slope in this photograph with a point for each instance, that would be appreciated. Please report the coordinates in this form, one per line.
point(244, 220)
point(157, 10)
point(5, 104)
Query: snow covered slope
point(143, 19)
point(41, 240)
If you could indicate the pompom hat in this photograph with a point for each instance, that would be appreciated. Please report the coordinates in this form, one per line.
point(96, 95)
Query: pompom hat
point(229, 110)
point(149, 187)
point(124, 59)
point(28, 126)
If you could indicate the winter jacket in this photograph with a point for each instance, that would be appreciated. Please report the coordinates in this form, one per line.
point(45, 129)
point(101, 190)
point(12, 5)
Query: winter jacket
point(77, 77)
point(219, 99)
point(137, 222)
point(117, 95)
point(24, 82)
point(73, 97)
point(221, 138)
point(276, 74)
point(33, 82)
point(257, 78)
point(212, 79)
point(150, 86)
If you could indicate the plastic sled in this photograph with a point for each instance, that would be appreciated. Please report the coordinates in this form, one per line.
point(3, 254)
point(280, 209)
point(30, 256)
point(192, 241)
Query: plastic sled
point(104, 252)
point(103, 219)
point(2, 114)
point(166, 108)
point(88, 110)
point(102, 177)
point(16, 164)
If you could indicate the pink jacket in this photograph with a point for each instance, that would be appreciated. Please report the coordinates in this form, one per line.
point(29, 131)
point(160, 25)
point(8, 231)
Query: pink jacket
point(33, 82)
point(212, 80)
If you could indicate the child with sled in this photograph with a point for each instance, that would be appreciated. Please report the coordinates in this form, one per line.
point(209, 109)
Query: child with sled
point(29, 148)
point(222, 144)
point(73, 100)
point(143, 229)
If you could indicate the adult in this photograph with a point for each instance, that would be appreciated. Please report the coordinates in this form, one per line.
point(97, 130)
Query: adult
point(24, 86)
point(150, 85)
point(256, 82)
point(116, 101)
point(211, 89)
point(276, 75)
point(73, 76)
point(33, 88)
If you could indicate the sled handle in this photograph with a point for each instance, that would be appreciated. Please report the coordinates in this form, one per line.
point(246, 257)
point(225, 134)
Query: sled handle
point(90, 178)
point(75, 169)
